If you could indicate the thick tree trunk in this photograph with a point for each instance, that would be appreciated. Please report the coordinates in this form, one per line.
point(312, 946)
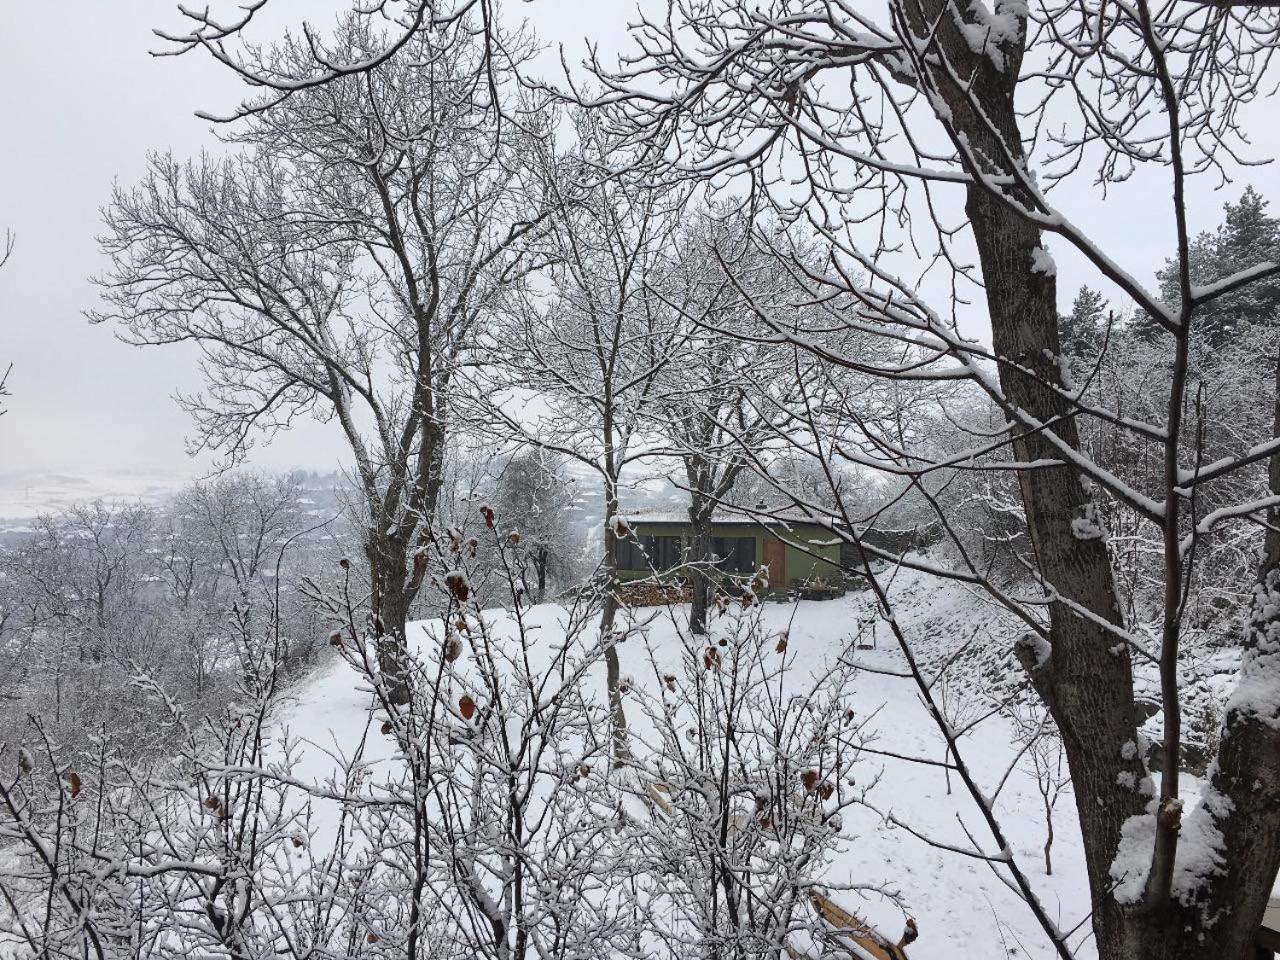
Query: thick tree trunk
point(390, 601)
point(1247, 770)
point(1086, 681)
point(701, 583)
point(396, 524)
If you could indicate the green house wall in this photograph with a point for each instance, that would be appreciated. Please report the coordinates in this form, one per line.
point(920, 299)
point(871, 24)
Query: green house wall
point(820, 559)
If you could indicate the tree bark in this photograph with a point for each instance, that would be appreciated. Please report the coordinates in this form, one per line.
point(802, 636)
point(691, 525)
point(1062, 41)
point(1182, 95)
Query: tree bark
point(1247, 771)
point(1087, 680)
point(613, 669)
point(700, 555)
point(399, 515)
point(390, 601)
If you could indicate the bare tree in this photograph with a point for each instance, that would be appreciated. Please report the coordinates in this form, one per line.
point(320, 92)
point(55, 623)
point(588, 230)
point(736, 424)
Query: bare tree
point(325, 62)
point(1044, 754)
point(881, 129)
point(342, 264)
point(722, 400)
point(480, 819)
point(592, 343)
point(534, 487)
point(728, 88)
point(751, 776)
point(221, 558)
point(82, 576)
point(483, 840)
point(244, 517)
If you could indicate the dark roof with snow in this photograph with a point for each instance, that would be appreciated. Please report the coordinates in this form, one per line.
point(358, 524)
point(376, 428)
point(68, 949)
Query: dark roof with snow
point(755, 515)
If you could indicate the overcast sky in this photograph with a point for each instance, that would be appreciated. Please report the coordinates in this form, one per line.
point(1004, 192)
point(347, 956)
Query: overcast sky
point(82, 103)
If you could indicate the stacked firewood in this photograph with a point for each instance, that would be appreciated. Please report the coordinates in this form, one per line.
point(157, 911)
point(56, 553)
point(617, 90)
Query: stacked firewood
point(654, 594)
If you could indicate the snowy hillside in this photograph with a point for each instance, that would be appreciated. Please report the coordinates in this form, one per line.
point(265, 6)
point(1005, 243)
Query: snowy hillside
point(957, 901)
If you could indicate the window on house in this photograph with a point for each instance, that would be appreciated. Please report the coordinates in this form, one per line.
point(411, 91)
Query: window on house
point(631, 555)
point(665, 552)
point(737, 554)
point(649, 553)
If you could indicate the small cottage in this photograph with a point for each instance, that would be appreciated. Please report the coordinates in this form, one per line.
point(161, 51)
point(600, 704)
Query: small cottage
point(799, 553)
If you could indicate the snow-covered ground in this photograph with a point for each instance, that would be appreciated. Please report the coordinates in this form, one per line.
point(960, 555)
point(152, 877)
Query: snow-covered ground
point(958, 902)
point(24, 494)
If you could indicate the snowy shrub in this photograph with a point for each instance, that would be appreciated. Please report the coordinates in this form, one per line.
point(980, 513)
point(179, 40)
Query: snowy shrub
point(487, 816)
point(747, 773)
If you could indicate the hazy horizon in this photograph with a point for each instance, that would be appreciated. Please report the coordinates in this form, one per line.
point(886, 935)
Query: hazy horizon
point(90, 104)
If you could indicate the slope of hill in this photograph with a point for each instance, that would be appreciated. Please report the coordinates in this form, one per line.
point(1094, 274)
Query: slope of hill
point(958, 901)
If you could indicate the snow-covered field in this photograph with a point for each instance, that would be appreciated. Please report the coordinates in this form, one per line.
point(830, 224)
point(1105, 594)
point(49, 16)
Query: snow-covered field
point(961, 906)
point(24, 494)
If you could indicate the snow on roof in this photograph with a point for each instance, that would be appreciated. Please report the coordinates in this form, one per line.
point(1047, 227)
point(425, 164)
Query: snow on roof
point(765, 516)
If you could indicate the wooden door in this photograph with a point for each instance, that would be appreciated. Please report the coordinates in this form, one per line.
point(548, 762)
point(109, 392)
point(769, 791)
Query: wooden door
point(775, 558)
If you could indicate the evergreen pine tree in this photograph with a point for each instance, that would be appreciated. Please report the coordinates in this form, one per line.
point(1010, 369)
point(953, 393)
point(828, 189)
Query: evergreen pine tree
point(1081, 330)
point(1248, 236)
